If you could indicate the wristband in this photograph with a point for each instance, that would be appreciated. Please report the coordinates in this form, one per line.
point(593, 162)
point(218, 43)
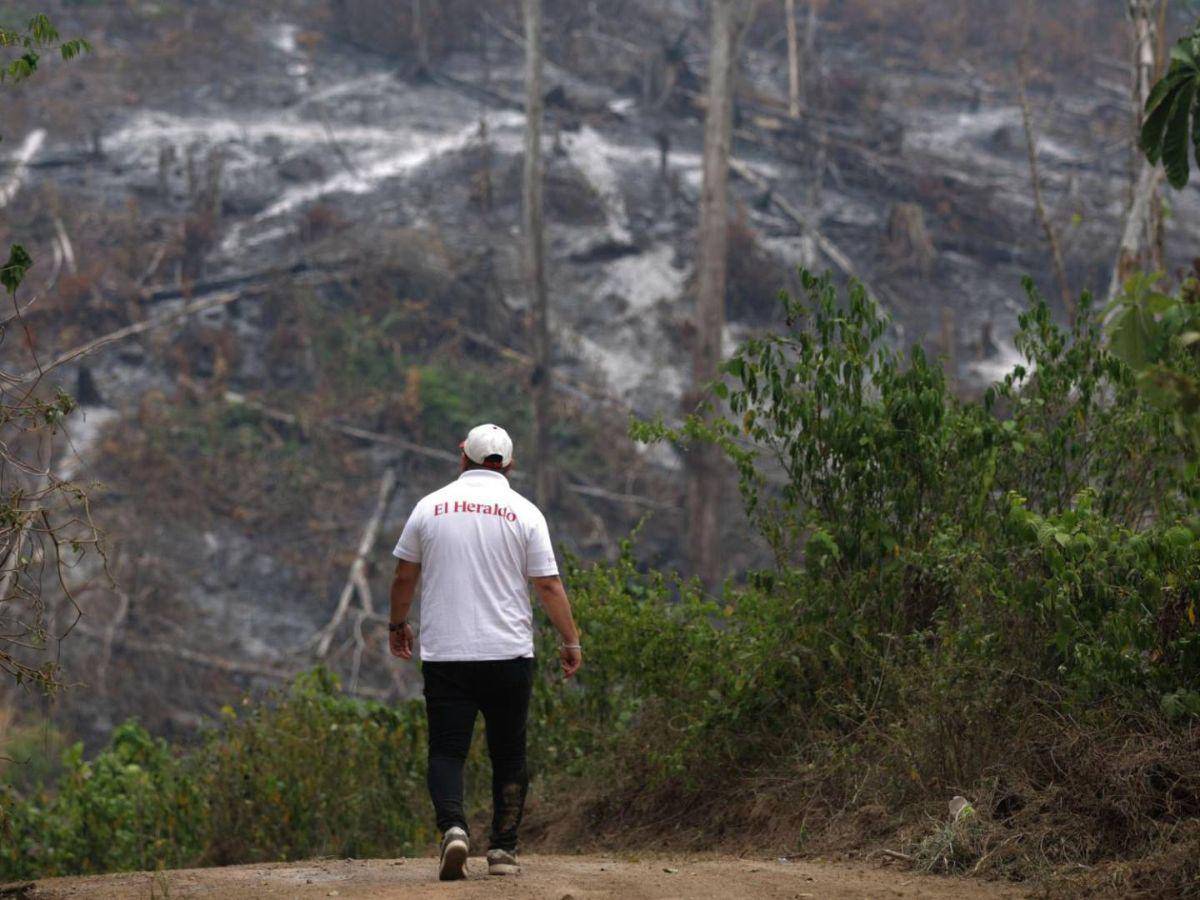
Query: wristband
point(397, 626)
point(570, 647)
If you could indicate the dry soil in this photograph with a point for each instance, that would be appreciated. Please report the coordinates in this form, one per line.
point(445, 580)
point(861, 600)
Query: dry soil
point(549, 877)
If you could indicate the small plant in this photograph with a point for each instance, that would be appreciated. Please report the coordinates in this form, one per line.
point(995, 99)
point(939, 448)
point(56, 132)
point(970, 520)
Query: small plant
point(953, 845)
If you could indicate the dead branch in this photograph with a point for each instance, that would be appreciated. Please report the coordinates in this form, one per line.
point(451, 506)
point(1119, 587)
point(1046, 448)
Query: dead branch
point(64, 241)
point(10, 185)
point(286, 418)
point(357, 577)
point(222, 664)
point(335, 144)
point(518, 40)
point(360, 647)
point(55, 271)
point(828, 247)
point(388, 440)
point(12, 559)
point(110, 635)
point(152, 267)
point(220, 299)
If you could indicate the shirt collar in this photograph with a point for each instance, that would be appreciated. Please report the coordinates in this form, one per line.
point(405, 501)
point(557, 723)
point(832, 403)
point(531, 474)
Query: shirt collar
point(482, 475)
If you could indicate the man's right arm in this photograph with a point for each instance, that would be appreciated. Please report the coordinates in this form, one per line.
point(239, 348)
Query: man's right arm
point(553, 597)
point(409, 554)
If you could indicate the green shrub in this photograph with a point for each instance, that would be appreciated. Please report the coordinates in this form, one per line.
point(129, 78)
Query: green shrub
point(135, 806)
point(318, 774)
point(950, 575)
point(311, 772)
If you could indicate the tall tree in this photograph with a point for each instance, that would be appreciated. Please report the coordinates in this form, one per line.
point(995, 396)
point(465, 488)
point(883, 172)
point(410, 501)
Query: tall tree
point(420, 36)
point(793, 47)
point(534, 256)
point(728, 19)
point(1142, 239)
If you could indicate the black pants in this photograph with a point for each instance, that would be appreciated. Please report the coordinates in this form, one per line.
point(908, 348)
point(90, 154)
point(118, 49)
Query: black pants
point(454, 693)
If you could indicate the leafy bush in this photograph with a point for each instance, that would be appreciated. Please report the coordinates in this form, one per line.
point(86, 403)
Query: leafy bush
point(947, 573)
point(313, 772)
point(134, 806)
point(319, 774)
point(1158, 335)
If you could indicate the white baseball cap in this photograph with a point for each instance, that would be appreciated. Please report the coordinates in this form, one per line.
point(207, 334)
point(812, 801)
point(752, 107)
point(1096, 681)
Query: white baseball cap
point(488, 440)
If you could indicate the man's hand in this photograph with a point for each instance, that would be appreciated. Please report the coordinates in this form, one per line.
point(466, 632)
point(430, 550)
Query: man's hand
point(554, 600)
point(571, 659)
point(404, 585)
point(400, 642)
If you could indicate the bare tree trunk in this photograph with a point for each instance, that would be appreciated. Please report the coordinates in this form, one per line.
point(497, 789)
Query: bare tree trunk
point(420, 34)
point(535, 265)
point(793, 46)
point(1132, 236)
point(704, 460)
point(808, 53)
point(1148, 250)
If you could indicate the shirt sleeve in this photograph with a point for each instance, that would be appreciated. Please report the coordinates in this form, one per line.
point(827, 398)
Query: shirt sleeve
point(408, 547)
point(539, 552)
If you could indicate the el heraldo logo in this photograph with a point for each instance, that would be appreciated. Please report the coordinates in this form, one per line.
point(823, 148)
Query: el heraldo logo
point(479, 509)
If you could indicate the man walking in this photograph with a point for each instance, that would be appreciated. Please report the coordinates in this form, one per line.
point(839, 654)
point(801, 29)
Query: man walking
point(475, 544)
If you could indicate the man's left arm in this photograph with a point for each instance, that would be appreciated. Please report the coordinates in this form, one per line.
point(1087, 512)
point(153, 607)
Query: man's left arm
point(404, 587)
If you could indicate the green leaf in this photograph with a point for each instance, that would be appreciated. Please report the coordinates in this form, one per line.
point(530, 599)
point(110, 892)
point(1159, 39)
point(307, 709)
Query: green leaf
point(1175, 150)
point(1181, 54)
point(14, 270)
point(1157, 113)
point(1131, 334)
point(1162, 87)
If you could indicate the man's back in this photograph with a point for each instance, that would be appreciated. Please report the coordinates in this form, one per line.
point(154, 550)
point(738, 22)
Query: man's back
point(477, 542)
point(474, 545)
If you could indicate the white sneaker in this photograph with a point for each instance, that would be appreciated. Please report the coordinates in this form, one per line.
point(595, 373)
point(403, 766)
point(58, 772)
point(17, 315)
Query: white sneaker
point(501, 862)
point(455, 846)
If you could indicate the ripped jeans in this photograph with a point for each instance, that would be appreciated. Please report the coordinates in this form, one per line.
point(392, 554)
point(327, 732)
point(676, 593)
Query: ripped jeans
point(455, 692)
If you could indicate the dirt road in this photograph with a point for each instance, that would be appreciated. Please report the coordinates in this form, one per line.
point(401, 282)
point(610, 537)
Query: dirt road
point(548, 877)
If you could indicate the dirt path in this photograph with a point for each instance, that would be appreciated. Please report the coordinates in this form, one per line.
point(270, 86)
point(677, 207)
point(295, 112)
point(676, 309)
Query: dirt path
point(548, 877)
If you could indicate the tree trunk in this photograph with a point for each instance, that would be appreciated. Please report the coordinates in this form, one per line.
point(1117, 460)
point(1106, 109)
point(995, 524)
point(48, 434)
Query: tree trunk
point(420, 36)
point(704, 459)
point(535, 265)
point(1130, 251)
point(808, 53)
point(1148, 251)
point(793, 46)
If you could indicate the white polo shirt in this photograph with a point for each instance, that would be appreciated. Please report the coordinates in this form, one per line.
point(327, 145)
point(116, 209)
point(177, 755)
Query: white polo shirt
point(478, 542)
